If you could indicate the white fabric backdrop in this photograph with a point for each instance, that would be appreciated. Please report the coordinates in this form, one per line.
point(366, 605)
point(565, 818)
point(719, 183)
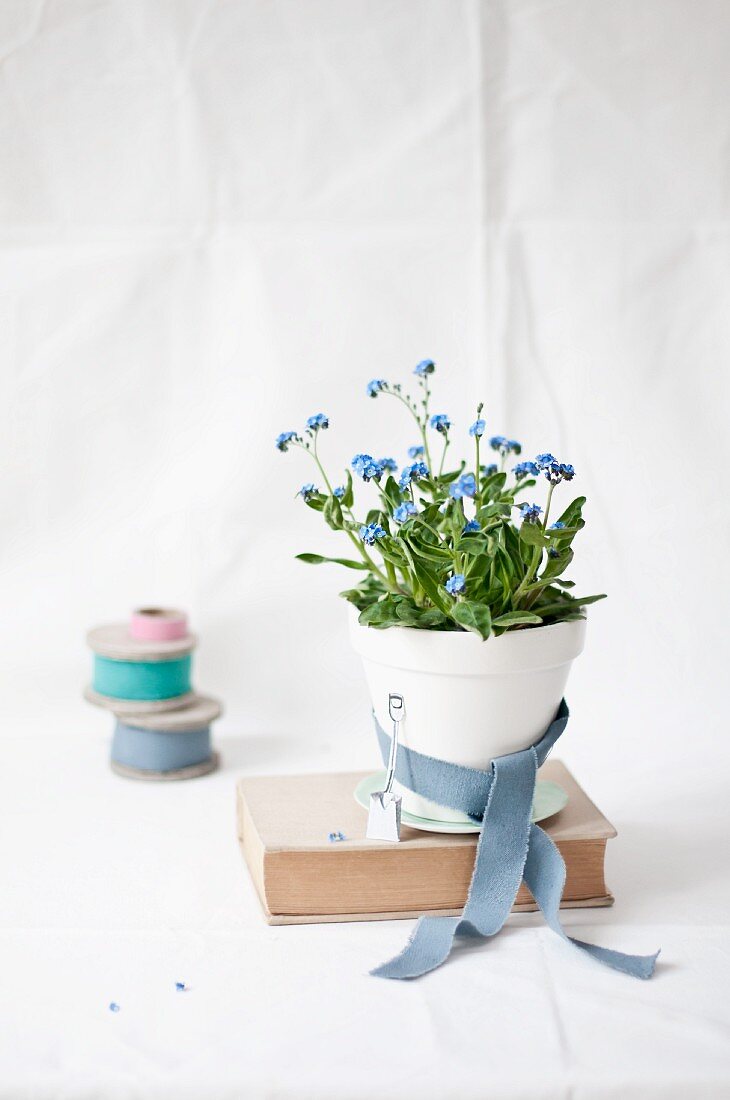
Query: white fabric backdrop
point(216, 219)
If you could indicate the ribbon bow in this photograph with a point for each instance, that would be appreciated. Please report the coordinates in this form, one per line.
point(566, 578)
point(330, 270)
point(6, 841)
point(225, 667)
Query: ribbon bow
point(509, 849)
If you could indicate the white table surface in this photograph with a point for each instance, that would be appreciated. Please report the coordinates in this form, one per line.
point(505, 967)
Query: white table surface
point(113, 890)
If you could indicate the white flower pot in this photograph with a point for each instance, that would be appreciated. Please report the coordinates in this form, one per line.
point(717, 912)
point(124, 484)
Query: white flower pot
point(466, 700)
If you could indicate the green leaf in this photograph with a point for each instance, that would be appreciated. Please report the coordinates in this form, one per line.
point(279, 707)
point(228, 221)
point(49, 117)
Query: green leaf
point(531, 533)
point(348, 499)
point(563, 533)
point(427, 582)
point(572, 513)
point(432, 619)
point(392, 491)
point(473, 616)
point(567, 605)
point(516, 618)
point(556, 566)
point(333, 514)
point(473, 545)
point(317, 559)
point(382, 613)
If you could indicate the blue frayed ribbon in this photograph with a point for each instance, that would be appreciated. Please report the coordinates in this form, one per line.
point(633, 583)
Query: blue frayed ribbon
point(510, 848)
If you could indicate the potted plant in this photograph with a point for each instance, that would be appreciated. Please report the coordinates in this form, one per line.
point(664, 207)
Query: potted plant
point(463, 607)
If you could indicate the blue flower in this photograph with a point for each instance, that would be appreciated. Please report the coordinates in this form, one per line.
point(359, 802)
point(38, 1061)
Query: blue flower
point(426, 366)
point(557, 526)
point(339, 492)
point(487, 471)
point(376, 386)
point(553, 553)
point(465, 486)
point(530, 512)
point(554, 471)
point(455, 584)
point(405, 511)
point(371, 532)
point(440, 422)
point(319, 420)
point(388, 464)
point(478, 428)
point(284, 439)
point(415, 452)
point(526, 469)
point(366, 467)
point(415, 472)
point(471, 527)
point(114, 1007)
point(505, 446)
point(307, 491)
point(180, 987)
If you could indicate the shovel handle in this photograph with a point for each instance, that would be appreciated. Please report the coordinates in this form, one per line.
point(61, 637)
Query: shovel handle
point(396, 708)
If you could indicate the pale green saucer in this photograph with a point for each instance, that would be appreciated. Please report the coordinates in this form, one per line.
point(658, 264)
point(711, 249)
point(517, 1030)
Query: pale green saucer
point(549, 800)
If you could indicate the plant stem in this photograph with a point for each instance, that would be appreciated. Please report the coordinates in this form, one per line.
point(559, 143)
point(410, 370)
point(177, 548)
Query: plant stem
point(478, 469)
point(443, 456)
point(357, 543)
point(547, 505)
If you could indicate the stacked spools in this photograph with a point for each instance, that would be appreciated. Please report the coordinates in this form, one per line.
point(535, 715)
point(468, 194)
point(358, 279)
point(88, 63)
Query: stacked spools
point(142, 674)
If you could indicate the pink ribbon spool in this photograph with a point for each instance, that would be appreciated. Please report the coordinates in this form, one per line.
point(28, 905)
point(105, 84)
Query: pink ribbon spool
point(158, 624)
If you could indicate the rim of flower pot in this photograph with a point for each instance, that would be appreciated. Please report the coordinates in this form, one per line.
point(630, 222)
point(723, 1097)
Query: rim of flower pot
point(456, 652)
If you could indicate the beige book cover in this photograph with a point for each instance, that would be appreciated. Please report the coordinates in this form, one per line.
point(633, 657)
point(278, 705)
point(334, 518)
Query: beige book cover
point(301, 877)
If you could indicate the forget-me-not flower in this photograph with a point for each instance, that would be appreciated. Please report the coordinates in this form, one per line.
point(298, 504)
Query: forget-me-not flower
point(426, 366)
point(530, 512)
point(416, 452)
point(319, 420)
point(557, 526)
point(464, 486)
point(376, 386)
point(405, 511)
point(370, 532)
point(339, 492)
point(471, 527)
point(284, 439)
point(505, 446)
point(525, 469)
point(415, 472)
point(554, 471)
point(389, 464)
point(308, 490)
point(478, 428)
point(487, 471)
point(367, 468)
point(456, 584)
point(440, 422)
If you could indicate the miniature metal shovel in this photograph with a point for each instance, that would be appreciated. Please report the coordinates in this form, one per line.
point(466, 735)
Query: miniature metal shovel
point(384, 814)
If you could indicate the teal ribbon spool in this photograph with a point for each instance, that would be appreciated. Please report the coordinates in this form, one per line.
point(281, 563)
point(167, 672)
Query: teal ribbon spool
point(159, 751)
point(142, 680)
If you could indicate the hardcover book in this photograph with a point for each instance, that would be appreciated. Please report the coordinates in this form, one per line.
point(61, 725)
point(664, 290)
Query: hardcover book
point(302, 877)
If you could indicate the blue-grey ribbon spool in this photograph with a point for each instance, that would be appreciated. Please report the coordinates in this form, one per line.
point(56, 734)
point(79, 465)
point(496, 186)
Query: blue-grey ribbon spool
point(509, 849)
point(142, 680)
point(159, 751)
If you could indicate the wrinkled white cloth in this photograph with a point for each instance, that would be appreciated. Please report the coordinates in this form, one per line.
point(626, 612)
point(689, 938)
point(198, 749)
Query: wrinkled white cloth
point(215, 220)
